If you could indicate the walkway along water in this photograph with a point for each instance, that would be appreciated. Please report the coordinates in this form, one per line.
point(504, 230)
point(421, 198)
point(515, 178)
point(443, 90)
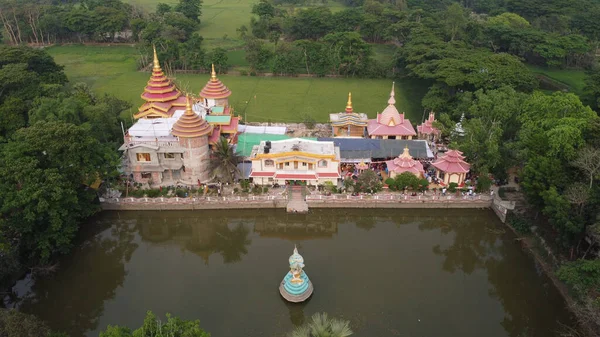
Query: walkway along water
point(499, 206)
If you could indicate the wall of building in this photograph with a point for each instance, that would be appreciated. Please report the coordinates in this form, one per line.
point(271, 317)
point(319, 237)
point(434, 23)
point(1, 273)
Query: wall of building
point(195, 159)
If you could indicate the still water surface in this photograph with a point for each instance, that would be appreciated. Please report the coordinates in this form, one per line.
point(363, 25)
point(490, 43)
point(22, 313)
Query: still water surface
point(390, 272)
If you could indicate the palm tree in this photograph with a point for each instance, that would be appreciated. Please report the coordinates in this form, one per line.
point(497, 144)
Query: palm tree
point(224, 161)
point(322, 326)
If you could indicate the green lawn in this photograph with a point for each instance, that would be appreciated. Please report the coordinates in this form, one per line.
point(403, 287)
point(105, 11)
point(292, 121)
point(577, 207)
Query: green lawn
point(113, 70)
point(574, 79)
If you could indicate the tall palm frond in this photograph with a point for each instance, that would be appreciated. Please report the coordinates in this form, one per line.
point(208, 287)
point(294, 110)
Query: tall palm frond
point(321, 325)
point(224, 161)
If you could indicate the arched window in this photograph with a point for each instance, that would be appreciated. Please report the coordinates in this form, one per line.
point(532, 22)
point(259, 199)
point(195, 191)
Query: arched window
point(322, 163)
point(269, 162)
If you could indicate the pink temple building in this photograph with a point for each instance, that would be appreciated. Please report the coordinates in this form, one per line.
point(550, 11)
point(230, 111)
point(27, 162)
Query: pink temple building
point(451, 168)
point(390, 124)
point(427, 131)
point(405, 163)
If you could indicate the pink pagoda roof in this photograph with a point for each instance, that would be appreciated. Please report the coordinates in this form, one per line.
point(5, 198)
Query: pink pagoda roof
point(390, 122)
point(214, 89)
point(427, 128)
point(452, 162)
point(161, 95)
point(405, 163)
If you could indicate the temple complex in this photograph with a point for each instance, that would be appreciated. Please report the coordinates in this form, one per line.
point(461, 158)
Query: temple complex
point(161, 96)
point(405, 163)
point(427, 131)
point(295, 160)
point(214, 107)
point(390, 124)
point(348, 123)
point(451, 168)
point(296, 287)
point(168, 150)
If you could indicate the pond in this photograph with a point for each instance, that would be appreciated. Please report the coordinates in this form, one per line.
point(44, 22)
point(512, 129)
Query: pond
point(390, 272)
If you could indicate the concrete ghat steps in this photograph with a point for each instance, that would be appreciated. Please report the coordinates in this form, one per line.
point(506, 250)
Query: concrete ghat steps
point(296, 203)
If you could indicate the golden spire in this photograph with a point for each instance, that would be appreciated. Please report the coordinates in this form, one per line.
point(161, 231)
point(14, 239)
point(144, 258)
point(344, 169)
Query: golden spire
point(156, 64)
point(213, 74)
point(188, 105)
point(392, 100)
point(349, 104)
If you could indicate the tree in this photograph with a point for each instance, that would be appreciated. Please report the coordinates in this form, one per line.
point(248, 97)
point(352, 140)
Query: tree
point(509, 19)
point(258, 54)
point(224, 161)
point(219, 58)
point(153, 327)
point(42, 193)
point(368, 181)
point(455, 20)
point(192, 9)
point(320, 325)
point(588, 161)
point(405, 180)
point(17, 324)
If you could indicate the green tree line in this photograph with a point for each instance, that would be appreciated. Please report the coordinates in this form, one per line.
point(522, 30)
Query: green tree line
point(56, 140)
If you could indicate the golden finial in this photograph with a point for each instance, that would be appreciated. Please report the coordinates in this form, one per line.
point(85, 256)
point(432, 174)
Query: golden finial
point(188, 105)
point(213, 74)
point(156, 64)
point(349, 104)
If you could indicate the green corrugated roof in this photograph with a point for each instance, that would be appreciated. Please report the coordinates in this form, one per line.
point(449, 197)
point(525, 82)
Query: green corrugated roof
point(247, 140)
point(218, 119)
point(217, 109)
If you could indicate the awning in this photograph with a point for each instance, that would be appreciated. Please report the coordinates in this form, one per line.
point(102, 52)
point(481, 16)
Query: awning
point(255, 174)
point(296, 176)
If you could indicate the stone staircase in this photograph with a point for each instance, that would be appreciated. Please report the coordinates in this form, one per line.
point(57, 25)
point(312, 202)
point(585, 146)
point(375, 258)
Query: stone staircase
point(296, 200)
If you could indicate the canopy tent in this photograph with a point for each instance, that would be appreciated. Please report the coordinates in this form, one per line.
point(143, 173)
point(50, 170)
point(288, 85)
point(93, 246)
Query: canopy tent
point(353, 150)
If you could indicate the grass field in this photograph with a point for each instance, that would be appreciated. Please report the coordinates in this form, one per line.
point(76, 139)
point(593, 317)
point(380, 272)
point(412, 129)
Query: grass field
point(113, 70)
point(574, 79)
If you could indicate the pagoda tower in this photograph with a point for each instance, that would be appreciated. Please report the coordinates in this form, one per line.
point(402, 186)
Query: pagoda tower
point(348, 124)
point(193, 133)
point(296, 287)
point(215, 93)
point(405, 163)
point(161, 96)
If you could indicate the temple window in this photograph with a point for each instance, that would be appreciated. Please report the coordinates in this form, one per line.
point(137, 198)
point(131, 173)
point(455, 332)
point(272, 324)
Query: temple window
point(304, 164)
point(269, 162)
point(143, 156)
point(322, 163)
point(311, 166)
point(169, 155)
point(146, 175)
point(270, 179)
point(287, 163)
point(281, 166)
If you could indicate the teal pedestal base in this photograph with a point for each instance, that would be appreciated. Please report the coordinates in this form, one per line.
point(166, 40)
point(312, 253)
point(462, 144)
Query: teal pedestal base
point(296, 292)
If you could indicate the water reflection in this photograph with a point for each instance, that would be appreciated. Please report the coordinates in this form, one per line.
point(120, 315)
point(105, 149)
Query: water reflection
point(201, 236)
point(71, 300)
point(385, 270)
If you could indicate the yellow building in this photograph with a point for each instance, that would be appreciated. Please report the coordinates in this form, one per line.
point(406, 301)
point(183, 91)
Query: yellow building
point(295, 160)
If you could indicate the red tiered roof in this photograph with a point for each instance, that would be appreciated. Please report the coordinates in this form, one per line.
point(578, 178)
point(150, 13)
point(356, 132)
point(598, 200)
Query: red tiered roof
point(161, 95)
point(190, 125)
point(427, 127)
point(214, 89)
point(405, 163)
point(390, 122)
point(452, 162)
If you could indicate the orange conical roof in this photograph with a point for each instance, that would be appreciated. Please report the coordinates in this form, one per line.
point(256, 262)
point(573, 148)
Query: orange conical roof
point(214, 89)
point(190, 125)
point(159, 87)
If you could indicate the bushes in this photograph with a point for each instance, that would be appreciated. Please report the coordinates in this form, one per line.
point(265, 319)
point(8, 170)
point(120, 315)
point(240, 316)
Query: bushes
point(483, 184)
point(582, 275)
point(520, 224)
point(452, 187)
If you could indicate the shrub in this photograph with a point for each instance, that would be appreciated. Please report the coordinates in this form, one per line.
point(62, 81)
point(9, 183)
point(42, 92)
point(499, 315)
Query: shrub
point(520, 224)
point(153, 193)
point(423, 184)
point(405, 180)
point(483, 184)
point(245, 184)
point(452, 187)
point(391, 183)
point(265, 189)
point(256, 190)
point(236, 190)
point(581, 275)
point(349, 184)
point(180, 192)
